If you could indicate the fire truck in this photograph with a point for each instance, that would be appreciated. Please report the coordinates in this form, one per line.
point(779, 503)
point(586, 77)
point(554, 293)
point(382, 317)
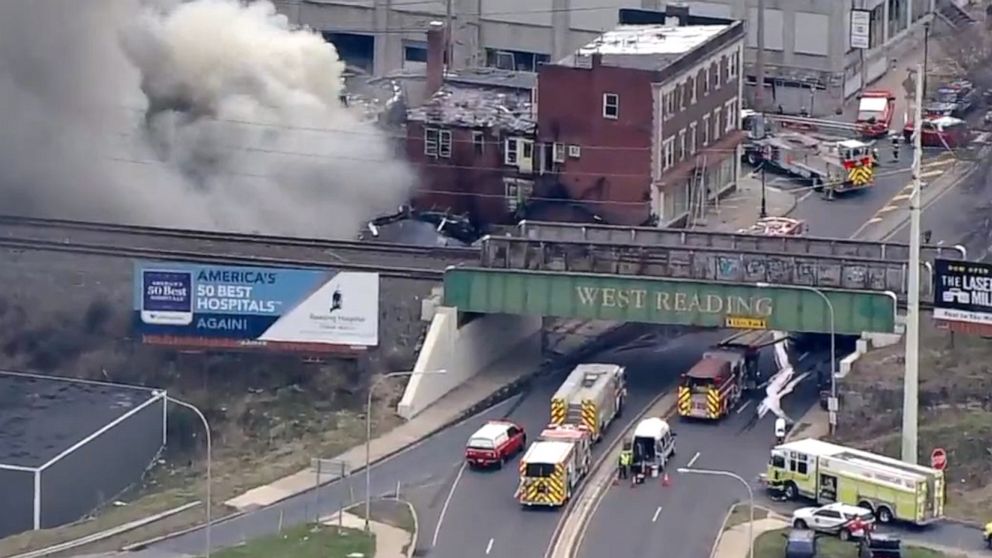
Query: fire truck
point(592, 396)
point(715, 384)
point(554, 465)
point(830, 167)
point(875, 109)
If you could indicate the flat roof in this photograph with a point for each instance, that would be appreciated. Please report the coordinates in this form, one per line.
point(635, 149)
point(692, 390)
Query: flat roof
point(42, 416)
point(491, 430)
point(648, 47)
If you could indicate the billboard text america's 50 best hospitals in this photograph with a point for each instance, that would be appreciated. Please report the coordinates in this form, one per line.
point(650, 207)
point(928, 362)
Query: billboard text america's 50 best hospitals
point(221, 306)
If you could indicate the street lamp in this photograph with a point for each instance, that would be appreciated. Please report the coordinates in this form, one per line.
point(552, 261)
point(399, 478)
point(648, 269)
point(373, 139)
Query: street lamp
point(832, 405)
point(926, 51)
point(368, 433)
point(738, 478)
point(206, 428)
point(764, 202)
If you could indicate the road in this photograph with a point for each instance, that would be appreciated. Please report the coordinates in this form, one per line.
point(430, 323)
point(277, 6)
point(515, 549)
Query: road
point(483, 519)
point(684, 518)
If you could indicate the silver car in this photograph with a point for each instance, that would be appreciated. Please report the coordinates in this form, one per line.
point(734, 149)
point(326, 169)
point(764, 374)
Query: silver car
point(835, 519)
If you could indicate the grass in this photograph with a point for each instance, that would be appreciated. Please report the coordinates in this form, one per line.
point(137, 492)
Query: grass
point(741, 514)
point(771, 544)
point(308, 541)
point(390, 512)
point(956, 412)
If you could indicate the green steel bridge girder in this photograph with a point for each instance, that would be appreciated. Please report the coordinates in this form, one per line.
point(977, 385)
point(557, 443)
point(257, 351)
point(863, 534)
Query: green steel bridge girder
point(625, 298)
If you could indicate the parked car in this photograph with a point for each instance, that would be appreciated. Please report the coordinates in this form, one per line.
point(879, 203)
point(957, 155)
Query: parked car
point(800, 543)
point(495, 443)
point(880, 546)
point(843, 520)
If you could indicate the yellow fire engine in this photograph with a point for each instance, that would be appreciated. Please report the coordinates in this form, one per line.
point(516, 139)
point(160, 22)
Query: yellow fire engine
point(592, 395)
point(554, 465)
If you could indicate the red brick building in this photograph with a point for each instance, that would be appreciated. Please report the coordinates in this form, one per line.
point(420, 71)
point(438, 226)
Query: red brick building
point(642, 124)
point(472, 140)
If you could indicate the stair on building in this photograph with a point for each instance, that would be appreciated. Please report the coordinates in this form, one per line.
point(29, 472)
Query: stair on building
point(953, 14)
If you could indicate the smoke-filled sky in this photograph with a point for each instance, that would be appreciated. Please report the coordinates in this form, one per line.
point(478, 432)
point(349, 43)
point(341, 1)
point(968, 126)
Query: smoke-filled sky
point(205, 114)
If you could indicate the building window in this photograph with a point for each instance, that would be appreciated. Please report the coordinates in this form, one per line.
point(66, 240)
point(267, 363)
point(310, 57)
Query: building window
point(732, 114)
point(706, 130)
point(717, 123)
point(414, 51)
point(517, 192)
point(669, 104)
point(479, 142)
point(611, 106)
point(715, 72)
point(692, 138)
point(682, 144)
point(706, 80)
point(437, 143)
point(692, 90)
point(678, 97)
point(510, 154)
point(515, 60)
point(668, 147)
point(732, 65)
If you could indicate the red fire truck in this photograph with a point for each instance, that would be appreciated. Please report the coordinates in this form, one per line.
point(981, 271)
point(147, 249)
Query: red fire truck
point(875, 108)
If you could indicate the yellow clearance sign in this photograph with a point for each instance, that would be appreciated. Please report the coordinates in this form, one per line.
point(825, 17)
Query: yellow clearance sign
point(746, 322)
point(861, 175)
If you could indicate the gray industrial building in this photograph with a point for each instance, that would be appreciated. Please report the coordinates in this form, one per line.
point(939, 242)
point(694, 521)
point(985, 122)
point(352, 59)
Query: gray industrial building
point(68, 446)
point(810, 64)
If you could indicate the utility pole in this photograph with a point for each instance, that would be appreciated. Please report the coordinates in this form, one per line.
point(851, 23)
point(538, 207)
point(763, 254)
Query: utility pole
point(764, 200)
point(759, 92)
point(449, 20)
point(911, 381)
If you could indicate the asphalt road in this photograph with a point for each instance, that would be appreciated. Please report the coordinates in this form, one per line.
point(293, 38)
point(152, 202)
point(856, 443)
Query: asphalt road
point(685, 517)
point(844, 215)
point(483, 519)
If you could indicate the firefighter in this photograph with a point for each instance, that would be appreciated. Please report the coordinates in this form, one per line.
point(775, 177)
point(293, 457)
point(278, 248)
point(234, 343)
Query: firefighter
point(626, 459)
point(895, 147)
point(874, 157)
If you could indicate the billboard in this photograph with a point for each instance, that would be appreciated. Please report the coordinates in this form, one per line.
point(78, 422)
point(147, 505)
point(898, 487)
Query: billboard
point(255, 307)
point(962, 291)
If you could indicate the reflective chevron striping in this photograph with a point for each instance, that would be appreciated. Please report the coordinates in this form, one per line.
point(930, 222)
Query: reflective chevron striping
point(590, 417)
point(684, 401)
point(860, 175)
point(558, 411)
point(713, 401)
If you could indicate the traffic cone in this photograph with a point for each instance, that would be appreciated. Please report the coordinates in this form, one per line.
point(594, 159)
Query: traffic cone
point(665, 481)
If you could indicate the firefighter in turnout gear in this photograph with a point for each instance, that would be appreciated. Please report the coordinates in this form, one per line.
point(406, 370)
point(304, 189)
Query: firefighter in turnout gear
point(895, 147)
point(626, 460)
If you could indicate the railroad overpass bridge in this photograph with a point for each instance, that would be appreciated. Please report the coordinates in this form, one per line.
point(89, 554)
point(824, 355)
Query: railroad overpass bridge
point(661, 276)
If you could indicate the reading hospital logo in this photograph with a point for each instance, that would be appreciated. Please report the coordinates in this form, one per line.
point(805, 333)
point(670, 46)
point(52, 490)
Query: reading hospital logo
point(336, 301)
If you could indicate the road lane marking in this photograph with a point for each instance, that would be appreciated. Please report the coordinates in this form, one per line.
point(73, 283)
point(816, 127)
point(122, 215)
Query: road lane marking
point(489, 547)
point(693, 460)
point(931, 174)
point(744, 406)
point(940, 162)
point(447, 501)
point(887, 209)
point(803, 356)
point(873, 220)
point(657, 512)
point(901, 197)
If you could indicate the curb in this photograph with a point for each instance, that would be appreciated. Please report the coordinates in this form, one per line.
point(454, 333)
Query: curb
point(516, 387)
point(723, 529)
point(412, 547)
point(597, 465)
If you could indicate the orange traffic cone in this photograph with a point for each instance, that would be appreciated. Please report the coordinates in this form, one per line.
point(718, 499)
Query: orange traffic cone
point(665, 481)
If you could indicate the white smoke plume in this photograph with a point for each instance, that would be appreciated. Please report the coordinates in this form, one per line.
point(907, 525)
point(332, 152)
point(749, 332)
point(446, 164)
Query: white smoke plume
point(203, 114)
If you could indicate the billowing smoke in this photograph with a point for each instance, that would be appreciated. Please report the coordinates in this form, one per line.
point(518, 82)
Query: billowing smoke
point(205, 114)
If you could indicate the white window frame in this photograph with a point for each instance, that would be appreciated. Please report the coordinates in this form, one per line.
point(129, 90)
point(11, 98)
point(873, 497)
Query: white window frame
point(692, 90)
point(511, 152)
point(706, 130)
point(478, 142)
point(732, 65)
point(437, 143)
point(692, 137)
point(706, 80)
point(681, 150)
point(668, 151)
point(558, 152)
point(717, 129)
point(733, 114)
point(611, 103)
point(516, 192)
point(716, 74)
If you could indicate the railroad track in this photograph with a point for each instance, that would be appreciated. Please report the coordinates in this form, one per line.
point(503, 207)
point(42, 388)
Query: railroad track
point(334, 253)
point(192, 256)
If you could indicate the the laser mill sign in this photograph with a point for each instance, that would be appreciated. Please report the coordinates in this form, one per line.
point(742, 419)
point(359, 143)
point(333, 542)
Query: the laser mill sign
point(962, 291)
point(214, 306)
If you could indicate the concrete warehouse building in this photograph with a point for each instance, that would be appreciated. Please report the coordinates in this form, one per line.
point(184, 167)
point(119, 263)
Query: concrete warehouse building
point(809, 59)
point(69, 446)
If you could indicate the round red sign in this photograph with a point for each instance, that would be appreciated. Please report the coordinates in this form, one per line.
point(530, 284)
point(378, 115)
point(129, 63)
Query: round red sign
point(938, 459)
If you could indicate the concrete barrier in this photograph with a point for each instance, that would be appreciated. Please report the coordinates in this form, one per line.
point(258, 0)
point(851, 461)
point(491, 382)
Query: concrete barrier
point(464, 349)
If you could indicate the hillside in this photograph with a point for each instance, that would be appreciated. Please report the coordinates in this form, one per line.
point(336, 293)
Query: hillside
point(956, 411)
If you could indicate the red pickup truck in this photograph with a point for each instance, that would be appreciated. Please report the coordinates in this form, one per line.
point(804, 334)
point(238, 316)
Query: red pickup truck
point(495, 443)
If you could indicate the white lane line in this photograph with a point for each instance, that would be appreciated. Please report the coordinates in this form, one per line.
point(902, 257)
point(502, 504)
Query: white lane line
point(693, 460)
point(744, 406)
point(657, 512)
point(447, 501)
point(489, 547)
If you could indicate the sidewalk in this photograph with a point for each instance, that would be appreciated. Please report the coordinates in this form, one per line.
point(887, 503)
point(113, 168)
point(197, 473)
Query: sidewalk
point(742, 207)
point(390, 542)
